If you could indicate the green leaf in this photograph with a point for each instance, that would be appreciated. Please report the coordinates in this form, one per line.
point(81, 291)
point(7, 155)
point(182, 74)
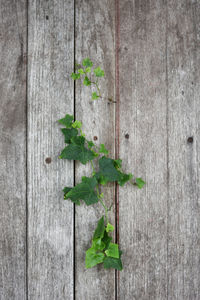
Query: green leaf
point(109, 173)
point(77, 152)
point(69, 133)
point(84, 191)
point(109, 227)
point(115, 263)
point(118, 163)
point(86, 81)
point(90, 144)
point(78, 140)
point(103, 149)
point(77, 124)
point(81, 71)
point(87, 62)
point(75, 76)
point(66, 190)
point(99, 231)
point(124, 178)
point(139, 182)
point(88, 70)
point(94, 96)
point(67, 121)
point(106, 239)
point(98, 244)
point(93, 258)
point(113, 250)
point(98, 72)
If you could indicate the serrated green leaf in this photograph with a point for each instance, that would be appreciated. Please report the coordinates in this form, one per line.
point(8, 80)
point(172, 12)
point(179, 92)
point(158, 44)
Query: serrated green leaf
point(118, 163)
point(69, 133)
point(93, 258)
point(78, 140)
point(66, 190)
point(77, 152)
point(90, 144)
point(94, 96)
point(87, 62)
point(109, 173)
point(99, 231)
point(88, 70)
point(84, 191)
point(113, 250)
point(98, 244)
point(67, 121)
point(98, 72)
point(109, 227)
point(103, 150)
point(111, 262)
point(106, 239)
point(81, 71)
point(75, 76)
point(124, 178)
point(139, 182)
point(86, 81)
point(77, 124)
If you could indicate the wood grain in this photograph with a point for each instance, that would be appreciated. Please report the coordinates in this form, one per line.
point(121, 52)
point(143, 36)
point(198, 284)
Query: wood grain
point(13, 24)
point(50, 95)
point(143, 142)
point(183, 47)
point(94, 39)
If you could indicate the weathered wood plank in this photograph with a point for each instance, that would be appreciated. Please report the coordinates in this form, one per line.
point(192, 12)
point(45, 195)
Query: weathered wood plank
point(94, 39)
point(50, 96)
point(183, 47)
point(13, 24)
point(143, 140)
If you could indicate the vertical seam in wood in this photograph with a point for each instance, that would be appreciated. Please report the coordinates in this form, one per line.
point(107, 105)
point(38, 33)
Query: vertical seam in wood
point(74, 165)
point(167, 142)
point(117, 132)
point(26, 245)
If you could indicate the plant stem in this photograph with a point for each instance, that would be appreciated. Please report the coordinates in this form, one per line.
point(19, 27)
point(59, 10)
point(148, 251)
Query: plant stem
point(93, 169)
point(98, 195)
point(98, 88)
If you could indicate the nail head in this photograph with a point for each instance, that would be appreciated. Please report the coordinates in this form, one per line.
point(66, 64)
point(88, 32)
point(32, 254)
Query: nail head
point(190, 140)
point(48, 160)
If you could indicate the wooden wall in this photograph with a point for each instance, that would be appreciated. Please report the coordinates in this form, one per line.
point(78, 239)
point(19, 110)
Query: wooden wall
point(150, 51)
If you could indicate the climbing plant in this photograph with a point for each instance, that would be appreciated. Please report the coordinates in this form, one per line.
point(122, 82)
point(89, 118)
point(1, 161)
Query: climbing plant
point(102, 249)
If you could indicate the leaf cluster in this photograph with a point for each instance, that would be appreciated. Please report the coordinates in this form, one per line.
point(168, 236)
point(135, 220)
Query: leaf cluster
point(78, 148)
point(102, 249)
point(86, 72)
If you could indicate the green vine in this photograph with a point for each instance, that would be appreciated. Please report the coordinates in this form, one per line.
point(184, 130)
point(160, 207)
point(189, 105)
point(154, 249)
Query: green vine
point(79, 148)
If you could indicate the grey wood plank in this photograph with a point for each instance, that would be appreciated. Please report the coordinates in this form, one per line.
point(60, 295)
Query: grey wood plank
point(143, 140)
point(50, 96)
point(13, 26)
point(95, 39)
point(183, 47)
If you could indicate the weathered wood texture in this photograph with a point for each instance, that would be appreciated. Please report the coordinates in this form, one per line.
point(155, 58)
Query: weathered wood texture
point(143, 111)
point(13, 149)
point(158, 124)
point(95, 34)
point(50, 95)
point(183, 61)
point(159, 109)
